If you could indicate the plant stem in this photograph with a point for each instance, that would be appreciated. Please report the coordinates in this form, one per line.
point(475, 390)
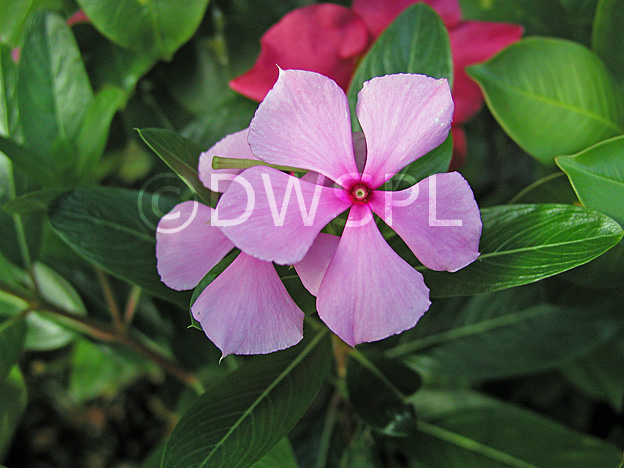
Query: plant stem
point(131, 305)
point(109, 297)
point(104, 332)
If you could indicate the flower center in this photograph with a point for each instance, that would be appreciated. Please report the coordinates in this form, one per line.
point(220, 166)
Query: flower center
point(359, 193)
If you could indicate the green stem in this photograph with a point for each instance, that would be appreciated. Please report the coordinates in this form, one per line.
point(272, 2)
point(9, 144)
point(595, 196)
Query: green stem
point(103, 332)
point(219, 162)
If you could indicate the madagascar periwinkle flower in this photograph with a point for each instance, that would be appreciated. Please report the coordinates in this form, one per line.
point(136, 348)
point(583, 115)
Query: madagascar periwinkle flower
point(247, 300)
point(365, 291)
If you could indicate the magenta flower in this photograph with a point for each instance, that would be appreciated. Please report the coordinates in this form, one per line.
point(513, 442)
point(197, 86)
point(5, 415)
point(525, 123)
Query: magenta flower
point(365, 291)
point(329, 39)
point(246, 301)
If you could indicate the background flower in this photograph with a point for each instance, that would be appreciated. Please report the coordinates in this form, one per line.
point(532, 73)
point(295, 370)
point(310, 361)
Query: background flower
point(329, 39)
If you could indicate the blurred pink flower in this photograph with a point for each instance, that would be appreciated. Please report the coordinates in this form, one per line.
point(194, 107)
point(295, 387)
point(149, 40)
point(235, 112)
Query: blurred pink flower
point(246, 309)
point(329, 39)
point(365, 291)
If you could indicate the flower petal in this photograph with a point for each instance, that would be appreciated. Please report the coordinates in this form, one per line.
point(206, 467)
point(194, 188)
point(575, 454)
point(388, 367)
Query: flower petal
point(438, 219)
point(368, 292)
point(378, 14)
point(232, 146)
point(304, 122)
point(187, 246)
point(313, 266)
point(403, 117)
point(274, 216)
point(247, 310)
point(324, 38)
point(473, 42)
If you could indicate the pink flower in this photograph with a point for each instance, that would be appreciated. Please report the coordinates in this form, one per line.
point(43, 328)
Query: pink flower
point(365, 291)
point(246, 301)
point(324, 38)
point(329, 39)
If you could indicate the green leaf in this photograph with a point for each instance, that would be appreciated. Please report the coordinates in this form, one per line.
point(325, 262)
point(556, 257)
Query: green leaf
point(15, 13)
point(32, 202)
point(12, 336)
point(359, 454)
point(378, 390)
point(416, 42)
point(98, 370)
point(551, 96)
point(53, 88)
point(599, 374)
point(45, 333)
point(553, 188)
point(181, 155)
point(280, 456)
point(156, 27)
point(606, 271)
point(8, 87)
point(38, 167)
point(115, 229)
point(597, 175)
point(510, 333)
point(93, 133)
point(12, 406)
point(482, 432)
point(608, 35)
point(231, 115)
point(237, 421)
point(521, 244)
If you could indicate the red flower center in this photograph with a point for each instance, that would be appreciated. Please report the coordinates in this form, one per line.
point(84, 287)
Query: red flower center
point(359, 193)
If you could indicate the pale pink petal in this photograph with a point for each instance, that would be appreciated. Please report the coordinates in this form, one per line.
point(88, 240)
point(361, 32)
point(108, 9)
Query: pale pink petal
point(304, 122)
point(313, 266)
point(403, 117)
point(247, 310)
point(325, 38)
point(233, 146)
point(368, 292)
point(378, 14)
point(274, 216)
point(438, 219)
point(473, 42)
point(187, 246)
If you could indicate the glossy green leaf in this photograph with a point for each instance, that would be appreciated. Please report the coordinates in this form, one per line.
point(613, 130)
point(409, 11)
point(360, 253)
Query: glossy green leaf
point(280, 456)
point(521, 244)
point(53, 88)
point(551, 96)
point(416, 42)
point(378, 390)
point(181, 155)
point(156, 27)
point(599, 374)
point(511, 333)
point(463, 428)
point(12, 406)
point(237, 421)
point(608, 35)
point(115, 229)
point(12, 336)
point(93, 133)
point(597, 175)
